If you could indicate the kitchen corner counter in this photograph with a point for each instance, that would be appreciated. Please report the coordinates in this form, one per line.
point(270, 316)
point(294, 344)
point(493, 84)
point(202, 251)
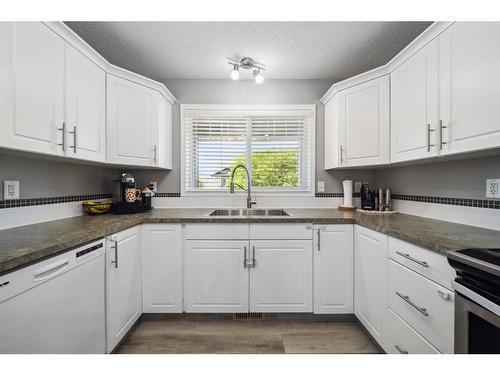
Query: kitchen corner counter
point(21, 246)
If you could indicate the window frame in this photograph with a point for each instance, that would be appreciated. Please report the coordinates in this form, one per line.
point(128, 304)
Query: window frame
point(258, 110)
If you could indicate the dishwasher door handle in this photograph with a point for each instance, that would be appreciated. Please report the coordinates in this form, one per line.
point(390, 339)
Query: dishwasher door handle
point(51, 270)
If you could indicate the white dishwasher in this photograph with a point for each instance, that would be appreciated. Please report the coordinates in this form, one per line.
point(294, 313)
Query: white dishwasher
point(56, 305)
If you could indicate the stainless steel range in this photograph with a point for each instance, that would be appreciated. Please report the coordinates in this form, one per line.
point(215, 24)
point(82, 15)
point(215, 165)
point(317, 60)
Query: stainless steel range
point(477, 300)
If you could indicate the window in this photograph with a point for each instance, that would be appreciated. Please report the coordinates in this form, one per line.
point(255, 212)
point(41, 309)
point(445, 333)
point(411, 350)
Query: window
point(273, 142)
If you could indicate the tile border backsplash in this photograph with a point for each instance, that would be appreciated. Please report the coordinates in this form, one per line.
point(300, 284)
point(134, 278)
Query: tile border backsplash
point(23, 202)
point(466, 202)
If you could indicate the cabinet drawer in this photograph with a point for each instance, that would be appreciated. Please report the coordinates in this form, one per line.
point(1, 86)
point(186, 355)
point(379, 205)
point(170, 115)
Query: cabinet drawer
point(217, 231)
point(401, 338)
point(425, 262)
point(281, 231)
point(424, 305)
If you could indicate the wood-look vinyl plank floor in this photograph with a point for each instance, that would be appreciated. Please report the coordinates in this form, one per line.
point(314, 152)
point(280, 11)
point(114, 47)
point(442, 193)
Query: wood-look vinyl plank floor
point(212, 336)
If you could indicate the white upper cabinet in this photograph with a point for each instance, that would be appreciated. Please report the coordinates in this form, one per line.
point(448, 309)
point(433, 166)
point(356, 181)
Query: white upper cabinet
point(164, 158)
point(32, 63)
point(363, 112)
point(332, 151)
point(85, 107)
point(54, 100)
point(470, 86)
point(132, 121)
point(414, 106)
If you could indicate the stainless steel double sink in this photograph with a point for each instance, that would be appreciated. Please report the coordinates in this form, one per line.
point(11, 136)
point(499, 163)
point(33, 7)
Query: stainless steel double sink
point(248, 212)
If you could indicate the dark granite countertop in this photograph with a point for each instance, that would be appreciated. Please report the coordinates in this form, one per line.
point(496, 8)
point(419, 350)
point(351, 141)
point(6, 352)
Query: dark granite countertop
point(23, 245)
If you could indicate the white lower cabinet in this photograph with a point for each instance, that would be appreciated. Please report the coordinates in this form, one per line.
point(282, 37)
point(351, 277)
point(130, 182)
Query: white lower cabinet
point(281, 278)
point(123, 284)
point(162, 268)
point(216, 276)
point(334, 269)
point(402, 339)
point(425, 305)
point(370, 285)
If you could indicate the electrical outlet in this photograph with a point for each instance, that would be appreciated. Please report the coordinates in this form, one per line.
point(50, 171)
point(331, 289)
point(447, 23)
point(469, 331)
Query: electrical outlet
point(153, 185)
point(10, 190)
point(492, 188)
point(321, 186)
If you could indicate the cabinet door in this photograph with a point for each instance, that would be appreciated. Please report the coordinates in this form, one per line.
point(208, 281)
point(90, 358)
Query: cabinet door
point(331, 141)
point(132, 115)
point(216, 277)
point(85, 107)
point(281, 279)
point(6, 82)
point(370, 281)
point(162, 268)
point(334, 270)
point(470, 86)
point(163, 157)
point(364, 123)
point(123, 284)
point(414, 106)
point(36, 88)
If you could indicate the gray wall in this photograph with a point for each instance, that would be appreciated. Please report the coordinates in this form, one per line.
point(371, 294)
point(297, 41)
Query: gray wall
point(248, 92)
point(459, 178)
point(44, 178)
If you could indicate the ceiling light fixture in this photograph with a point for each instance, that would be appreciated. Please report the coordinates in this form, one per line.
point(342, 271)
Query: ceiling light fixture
point(247, 63)
point(259, 78)
point(235, 74)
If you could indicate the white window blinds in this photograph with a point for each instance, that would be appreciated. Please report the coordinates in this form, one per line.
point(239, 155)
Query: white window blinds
point(275, 147)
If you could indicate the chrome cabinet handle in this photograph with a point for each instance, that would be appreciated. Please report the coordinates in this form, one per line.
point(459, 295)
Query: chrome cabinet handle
point(245, 257)
point(400, 350)
point(74, 139)
point(409, 257)
point(341, 154)
point(407, 299)
point(429, 130)
point(253, 257)
point(441, 127)
point(154, 155)
point(115, 262)
point(63, 129)
point(319, 239)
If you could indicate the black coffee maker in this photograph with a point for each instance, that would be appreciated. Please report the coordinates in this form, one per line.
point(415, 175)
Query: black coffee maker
point(127, 199)
point(367, 197)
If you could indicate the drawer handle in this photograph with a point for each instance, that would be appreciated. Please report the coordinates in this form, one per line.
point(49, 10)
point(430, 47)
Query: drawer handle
point(444, 295)
point(407, 299)
point(400, 350)
point(409, 257)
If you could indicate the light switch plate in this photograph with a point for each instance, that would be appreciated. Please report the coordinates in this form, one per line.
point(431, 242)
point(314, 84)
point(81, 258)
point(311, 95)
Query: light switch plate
point(492, 188)
point(10, 190)
point(321, 186)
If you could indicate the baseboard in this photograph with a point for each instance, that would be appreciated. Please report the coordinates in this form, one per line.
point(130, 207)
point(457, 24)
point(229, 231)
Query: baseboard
point(306, 317)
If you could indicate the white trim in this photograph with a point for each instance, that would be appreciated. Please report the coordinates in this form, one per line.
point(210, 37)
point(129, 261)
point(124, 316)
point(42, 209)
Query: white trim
point(74, 40)
point(258, 109)
point(427, 35)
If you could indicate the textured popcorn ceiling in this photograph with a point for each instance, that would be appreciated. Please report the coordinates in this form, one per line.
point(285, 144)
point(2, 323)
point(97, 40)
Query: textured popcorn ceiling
point(291, 50)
